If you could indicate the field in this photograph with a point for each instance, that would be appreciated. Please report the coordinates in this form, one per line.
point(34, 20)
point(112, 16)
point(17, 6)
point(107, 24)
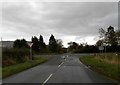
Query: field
point(107, 65)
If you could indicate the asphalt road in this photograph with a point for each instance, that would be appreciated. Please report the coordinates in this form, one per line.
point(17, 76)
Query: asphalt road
point(59, 70)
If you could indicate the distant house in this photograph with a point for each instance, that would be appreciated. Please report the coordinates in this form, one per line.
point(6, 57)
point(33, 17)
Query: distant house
point(7, 44)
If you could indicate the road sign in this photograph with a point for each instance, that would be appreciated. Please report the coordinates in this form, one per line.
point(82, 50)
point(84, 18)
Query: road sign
point(101, 48)
point(30, 44)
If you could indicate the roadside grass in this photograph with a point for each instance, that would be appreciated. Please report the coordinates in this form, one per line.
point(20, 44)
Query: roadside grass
point(112, 58)
point(10, 70)
point(101, 66)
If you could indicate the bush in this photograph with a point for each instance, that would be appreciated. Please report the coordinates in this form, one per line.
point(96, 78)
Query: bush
point(11, 56)
point(13, 69)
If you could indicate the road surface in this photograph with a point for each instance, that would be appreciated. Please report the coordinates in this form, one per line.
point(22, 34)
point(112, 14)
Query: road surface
point(60, 69)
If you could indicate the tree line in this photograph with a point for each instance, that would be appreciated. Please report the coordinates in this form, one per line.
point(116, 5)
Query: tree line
point(109, 39)
point(39, 46)
point(20, 52)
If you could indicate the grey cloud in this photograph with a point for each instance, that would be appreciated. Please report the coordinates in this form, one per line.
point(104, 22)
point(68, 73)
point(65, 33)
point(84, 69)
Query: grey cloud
point(80, 19)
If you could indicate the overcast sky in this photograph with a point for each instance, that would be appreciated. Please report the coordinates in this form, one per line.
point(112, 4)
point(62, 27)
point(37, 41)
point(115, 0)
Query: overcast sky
point(69, 21)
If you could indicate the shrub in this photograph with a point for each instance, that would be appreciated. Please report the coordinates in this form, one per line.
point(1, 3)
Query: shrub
point(11, 56)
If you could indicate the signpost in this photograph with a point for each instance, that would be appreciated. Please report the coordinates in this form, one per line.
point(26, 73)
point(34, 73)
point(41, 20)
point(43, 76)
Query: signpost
point(30, 45)
point(101, 48)
point(105, 49)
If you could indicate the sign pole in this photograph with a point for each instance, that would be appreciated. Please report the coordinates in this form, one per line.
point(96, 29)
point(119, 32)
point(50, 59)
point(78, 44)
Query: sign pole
point(101, 48)
point(105, 50)
point(30, 45)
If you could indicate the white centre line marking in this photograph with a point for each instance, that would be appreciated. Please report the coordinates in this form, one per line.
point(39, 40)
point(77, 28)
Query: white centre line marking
point(47, 79)
point(60, 64)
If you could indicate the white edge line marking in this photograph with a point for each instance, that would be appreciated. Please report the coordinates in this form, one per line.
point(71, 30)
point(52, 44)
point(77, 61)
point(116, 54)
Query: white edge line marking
point(47, 79)
point(60, 64)
point(81, 62)
point(84, 66)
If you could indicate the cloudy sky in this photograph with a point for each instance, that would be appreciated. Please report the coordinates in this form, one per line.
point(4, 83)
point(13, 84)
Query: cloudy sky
point(69, 21)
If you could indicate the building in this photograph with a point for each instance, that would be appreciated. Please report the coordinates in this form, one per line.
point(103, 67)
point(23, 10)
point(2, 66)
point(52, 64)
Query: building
point(6, 44)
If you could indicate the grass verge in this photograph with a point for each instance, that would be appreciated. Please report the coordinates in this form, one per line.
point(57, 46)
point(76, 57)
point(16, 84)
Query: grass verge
point(10, 70)
point(107, 69)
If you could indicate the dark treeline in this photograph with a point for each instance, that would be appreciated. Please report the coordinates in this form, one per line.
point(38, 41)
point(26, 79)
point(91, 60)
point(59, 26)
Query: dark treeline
point(39, 46)
point(20, 52)
point(82, 48)
point(109, 40)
